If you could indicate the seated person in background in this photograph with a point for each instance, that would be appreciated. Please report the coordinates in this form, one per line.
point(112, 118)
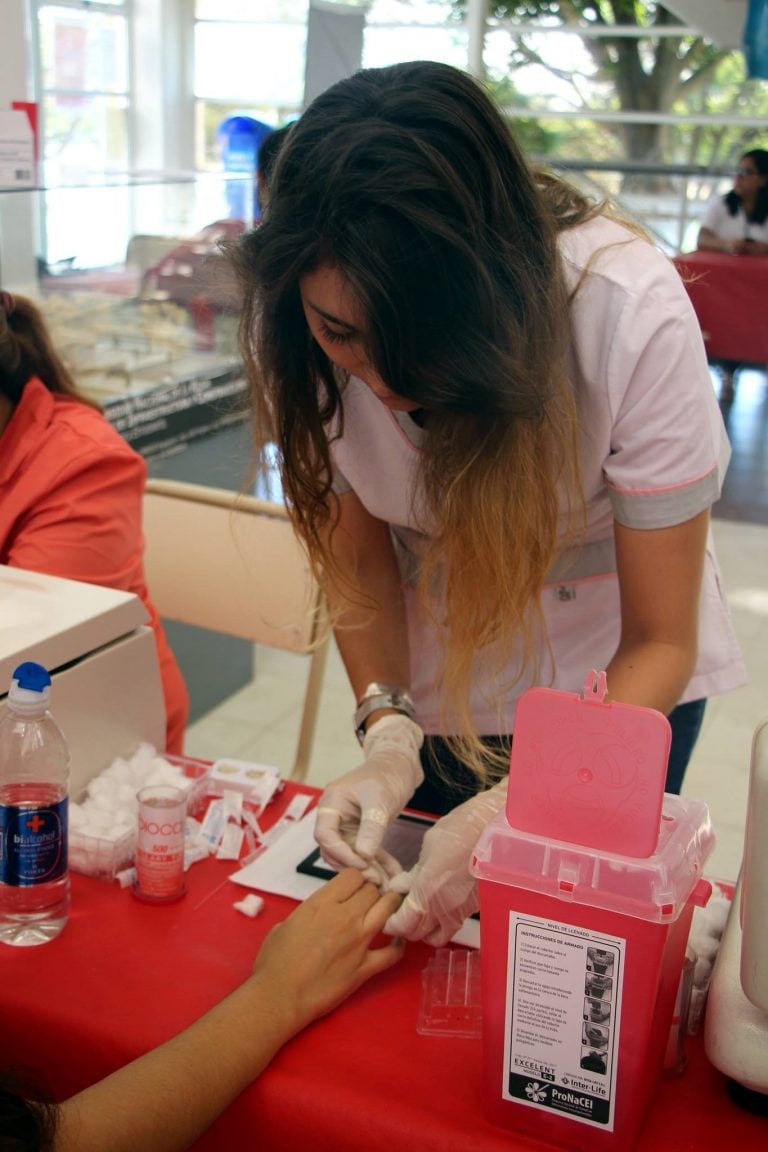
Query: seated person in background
point(189, 274)
point(185, 274)
point(165, 1099)
point(738, 222)
point(71, 488)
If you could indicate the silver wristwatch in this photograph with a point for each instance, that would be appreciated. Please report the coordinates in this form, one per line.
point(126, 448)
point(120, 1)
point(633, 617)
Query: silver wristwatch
point(378, 696)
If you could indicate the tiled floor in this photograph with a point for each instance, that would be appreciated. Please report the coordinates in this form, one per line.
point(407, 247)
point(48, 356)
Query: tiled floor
point(260, 722)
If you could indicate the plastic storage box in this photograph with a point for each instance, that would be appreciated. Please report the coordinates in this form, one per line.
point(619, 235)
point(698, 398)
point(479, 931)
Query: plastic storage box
point(581, 955)
point(104, 856)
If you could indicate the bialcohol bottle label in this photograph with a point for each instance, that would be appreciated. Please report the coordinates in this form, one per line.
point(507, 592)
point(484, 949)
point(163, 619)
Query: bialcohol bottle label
point(33, 843)
point(563, 1013)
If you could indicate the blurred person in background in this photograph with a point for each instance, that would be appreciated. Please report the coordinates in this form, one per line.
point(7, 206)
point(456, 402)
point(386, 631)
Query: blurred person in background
point(71, 488)
point(737, 224)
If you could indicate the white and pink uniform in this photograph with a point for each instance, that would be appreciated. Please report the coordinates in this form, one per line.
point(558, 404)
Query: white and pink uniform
point(653, 455)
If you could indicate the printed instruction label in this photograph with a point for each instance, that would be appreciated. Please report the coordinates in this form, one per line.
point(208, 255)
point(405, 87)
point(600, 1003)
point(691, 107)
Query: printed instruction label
point(563, 1013)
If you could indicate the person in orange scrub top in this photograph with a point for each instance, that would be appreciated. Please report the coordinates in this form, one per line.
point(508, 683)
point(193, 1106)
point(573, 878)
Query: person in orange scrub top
point(71, 488)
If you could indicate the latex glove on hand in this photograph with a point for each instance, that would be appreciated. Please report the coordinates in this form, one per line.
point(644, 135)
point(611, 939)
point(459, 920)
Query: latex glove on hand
point(354, 811)
point(440, 891)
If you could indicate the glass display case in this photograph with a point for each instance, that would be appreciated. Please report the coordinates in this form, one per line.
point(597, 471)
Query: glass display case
point(136, 293)
point(138, 298)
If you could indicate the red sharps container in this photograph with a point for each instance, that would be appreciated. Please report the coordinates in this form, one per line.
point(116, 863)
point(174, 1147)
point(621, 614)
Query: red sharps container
point(587, 886)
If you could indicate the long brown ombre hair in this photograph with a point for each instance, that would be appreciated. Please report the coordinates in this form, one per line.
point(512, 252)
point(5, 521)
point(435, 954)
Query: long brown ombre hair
point(408, 182)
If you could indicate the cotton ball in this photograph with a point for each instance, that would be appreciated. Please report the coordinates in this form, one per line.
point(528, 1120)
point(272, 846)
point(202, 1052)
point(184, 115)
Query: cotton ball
point(718, 909)
point(125, 821)
point(707, 927)
point(155, 780)
point(377, 874)
point(137, 775)
point(105, 801)
point(250, 905)
point(137, 770)
point(702, 971)
point(99, 786)
point(706, 946)
point(162, 772)
point(88, 808)
point(161, 763)
point(120, 771)
point(76, 816)
point(141, 761)
point(96, 824)
point(125, 797)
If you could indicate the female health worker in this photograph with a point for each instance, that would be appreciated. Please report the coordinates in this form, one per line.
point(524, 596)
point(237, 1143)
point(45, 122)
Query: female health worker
point(498, 440)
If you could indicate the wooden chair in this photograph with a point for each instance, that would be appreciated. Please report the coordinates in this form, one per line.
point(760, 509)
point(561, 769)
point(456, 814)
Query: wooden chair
point(232, 563)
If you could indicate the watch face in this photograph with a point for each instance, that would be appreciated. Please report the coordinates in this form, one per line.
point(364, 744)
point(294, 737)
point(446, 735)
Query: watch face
point(377, 689)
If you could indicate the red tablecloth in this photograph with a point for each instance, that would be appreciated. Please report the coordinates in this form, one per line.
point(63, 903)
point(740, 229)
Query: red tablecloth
point(124, 976)
point(729, 295)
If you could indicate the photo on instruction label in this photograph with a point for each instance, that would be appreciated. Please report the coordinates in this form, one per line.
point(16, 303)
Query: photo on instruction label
point(594, 1061)
point(593, 1036)
point(599, 987)
point(598, 1011)
point(600, 961)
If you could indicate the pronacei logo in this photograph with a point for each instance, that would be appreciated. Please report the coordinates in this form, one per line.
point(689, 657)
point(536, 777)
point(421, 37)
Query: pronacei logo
point(573, 1098)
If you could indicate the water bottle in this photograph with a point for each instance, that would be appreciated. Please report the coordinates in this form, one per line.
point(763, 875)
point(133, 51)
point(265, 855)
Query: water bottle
point(34, 783)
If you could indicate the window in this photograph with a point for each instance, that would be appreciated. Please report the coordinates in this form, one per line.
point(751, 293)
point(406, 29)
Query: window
point(83, 82)
point(83, 54)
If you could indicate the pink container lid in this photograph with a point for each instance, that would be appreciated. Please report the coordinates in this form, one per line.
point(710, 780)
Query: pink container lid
point(588, 771)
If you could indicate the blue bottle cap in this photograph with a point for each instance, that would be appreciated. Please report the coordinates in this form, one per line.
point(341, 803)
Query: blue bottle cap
point(32, 677)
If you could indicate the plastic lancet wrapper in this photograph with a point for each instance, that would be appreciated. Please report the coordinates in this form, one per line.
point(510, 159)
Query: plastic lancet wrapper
point(231, 842)
point(588, 770)
point(297, 806)
point(451, 998)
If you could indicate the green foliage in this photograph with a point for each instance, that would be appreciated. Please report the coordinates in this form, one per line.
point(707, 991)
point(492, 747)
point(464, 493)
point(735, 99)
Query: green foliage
point(536, 137)
point(685, 74)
